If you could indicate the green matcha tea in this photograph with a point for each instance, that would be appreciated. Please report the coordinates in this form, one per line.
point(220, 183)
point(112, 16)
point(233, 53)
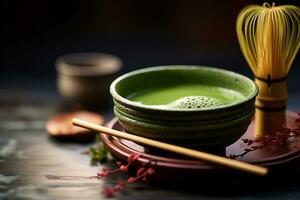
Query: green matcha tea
point(186, 96)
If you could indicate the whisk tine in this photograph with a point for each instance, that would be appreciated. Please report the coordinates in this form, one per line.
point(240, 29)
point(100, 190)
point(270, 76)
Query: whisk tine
point(269, 38)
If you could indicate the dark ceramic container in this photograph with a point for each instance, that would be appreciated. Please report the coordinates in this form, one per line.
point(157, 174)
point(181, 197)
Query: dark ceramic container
point(84, 78)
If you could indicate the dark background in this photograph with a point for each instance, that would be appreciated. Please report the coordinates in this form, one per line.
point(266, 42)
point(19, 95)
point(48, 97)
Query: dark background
point(142, 33)
point(33, 34)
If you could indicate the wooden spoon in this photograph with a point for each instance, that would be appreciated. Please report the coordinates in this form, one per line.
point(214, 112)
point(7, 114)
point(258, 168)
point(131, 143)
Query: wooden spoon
point(235, 164)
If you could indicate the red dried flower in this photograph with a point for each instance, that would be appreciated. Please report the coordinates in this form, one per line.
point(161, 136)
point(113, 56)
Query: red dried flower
point(140, 171)
point(141, 174)
point(106, 172)
point(124, 168)
point(133, 157)
point(151, 171)
point(108, 192)
point(111, 192)
point(131, 180)
point(120, 186)
point(145, 178)
point(270, 141)
point(102, 174)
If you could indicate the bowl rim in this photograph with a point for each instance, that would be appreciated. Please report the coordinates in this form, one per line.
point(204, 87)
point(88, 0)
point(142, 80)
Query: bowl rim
point(66, 64)
point(137, 105)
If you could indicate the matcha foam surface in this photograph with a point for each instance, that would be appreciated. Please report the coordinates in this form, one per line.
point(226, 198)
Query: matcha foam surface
point(192, 102)
point(187, 96)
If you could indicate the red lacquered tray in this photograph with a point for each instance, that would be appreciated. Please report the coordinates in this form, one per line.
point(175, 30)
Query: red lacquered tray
point(167, 165)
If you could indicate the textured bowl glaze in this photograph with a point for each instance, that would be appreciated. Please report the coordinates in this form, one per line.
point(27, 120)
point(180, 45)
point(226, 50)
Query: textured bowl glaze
point(197, 127)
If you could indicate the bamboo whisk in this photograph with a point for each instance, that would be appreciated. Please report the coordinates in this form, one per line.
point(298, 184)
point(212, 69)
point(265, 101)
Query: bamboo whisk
point(269, 38)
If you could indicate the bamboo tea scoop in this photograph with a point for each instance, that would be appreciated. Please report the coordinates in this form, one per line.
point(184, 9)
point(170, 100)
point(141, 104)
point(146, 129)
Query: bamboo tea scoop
point(235, 164)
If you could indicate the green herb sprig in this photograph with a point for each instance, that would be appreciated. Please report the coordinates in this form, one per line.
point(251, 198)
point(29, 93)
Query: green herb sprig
point(98, 153)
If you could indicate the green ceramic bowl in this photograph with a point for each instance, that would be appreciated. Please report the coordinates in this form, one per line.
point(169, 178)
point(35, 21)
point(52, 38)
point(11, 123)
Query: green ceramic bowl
point(205, 127)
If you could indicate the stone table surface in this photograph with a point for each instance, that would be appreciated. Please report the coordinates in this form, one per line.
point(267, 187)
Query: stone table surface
point(34, 166)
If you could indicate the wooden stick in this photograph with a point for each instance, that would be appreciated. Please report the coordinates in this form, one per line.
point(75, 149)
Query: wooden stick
point(173, 148)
